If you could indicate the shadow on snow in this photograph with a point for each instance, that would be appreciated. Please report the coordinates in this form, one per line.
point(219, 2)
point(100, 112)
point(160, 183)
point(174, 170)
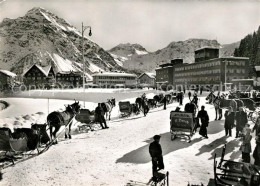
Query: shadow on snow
point(141, 155)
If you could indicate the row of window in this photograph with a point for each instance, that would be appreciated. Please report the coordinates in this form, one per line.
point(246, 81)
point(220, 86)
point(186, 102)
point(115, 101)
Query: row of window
point(237, 63)
point(204, 72)
point(209, 64)
point(198, 79)
point(236, 71)
point(197, 66)
point(68, 78)
point(109, 82)
point(115, 77)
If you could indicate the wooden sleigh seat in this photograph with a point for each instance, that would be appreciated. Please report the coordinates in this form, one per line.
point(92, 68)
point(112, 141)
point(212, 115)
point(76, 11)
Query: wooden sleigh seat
point(11, 148)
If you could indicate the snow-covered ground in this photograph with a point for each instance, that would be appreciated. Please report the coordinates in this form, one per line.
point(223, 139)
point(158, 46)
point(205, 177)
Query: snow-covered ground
point(118, 154)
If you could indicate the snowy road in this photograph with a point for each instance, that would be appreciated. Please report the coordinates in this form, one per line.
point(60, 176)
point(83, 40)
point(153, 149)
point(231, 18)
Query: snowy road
point(119, 154)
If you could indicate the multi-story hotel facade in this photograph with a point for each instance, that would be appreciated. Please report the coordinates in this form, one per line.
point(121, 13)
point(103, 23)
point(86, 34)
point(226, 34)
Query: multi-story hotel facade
point(114, 79)
point(208, 70)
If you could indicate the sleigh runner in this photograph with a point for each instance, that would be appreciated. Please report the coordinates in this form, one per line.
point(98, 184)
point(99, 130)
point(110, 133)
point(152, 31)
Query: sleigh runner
point(182, 124)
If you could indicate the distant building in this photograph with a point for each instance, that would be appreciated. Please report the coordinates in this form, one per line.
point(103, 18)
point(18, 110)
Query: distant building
point(208, 69)
point(165, 73)
point(147, 79)
point(39, 76)
point(69, 78)
point(256, 80)
point(212, 71)
point(206, 53)
point(6, 78)
point(114, 79)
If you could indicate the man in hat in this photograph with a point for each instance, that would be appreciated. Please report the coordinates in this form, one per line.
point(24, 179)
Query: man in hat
point(99, 114)
point(155, 151)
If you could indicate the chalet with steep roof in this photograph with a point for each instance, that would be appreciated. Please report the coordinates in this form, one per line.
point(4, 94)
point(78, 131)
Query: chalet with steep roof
point(38, 75)
point(6, 78)
point(147, 79)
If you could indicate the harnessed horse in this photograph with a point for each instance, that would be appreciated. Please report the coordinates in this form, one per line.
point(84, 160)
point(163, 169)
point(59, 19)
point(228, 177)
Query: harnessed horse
point(216, 101)
point(57, 119)
point(158, 98)
point(108, 106)
point(142, 104)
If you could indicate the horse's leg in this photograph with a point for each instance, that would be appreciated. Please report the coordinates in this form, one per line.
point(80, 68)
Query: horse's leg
point(50, 132)
point(216, 111)
point(70, 130)
point(220, 113)
point(109, 115)
point(54, 134)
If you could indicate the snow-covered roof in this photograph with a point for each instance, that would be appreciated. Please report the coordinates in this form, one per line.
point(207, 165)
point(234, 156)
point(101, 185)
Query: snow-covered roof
point(232, 57)
point(44, 70)
point(151, 75)
point(207, 47)
point(257, 68)
point(242, 80)
point(8, 73)
point(115, 74)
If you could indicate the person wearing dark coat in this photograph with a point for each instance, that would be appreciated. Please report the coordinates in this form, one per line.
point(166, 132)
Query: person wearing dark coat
point(181, 97)
point(256, 128)
point(164, 102)
point(204, 118)
point(155, 151)
point(195, 100)
point(99, 112)
point(229, 121)
point(256, 153)
point(189, 94)
point(241, 120)
point(246, 144)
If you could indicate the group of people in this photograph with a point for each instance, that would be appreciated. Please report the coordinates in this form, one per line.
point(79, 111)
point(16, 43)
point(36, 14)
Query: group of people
point(240, 121)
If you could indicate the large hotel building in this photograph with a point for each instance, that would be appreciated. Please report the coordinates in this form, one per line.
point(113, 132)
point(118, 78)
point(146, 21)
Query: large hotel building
point(208, 69)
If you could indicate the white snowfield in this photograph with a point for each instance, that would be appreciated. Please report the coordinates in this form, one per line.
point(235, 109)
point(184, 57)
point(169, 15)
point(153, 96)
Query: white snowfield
point(116, 155)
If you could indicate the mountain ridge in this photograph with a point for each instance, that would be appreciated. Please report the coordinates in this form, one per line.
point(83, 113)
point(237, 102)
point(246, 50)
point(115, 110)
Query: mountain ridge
point(42, 37)
point(176, 49)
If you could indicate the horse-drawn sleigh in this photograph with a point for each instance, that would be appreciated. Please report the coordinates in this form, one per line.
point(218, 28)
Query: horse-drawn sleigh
point(182, 123)
point(23, 141)
point(89, 119)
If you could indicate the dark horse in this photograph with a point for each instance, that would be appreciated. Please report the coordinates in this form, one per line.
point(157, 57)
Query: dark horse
point(142, 105)
point(158, 98)
point(57, 119)
point(108, 106)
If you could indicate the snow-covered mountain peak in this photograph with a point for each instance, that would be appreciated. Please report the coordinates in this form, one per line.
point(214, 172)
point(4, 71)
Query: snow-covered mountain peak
point(41, 37)
point(127, 50)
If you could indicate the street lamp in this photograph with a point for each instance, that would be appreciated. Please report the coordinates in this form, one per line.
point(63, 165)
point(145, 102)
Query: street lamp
point(83, 61)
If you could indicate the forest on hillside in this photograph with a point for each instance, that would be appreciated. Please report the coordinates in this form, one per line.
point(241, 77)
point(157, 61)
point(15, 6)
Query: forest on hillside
point(250, 47)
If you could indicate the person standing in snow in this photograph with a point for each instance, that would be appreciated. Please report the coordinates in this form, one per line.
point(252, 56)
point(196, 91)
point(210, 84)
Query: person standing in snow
point(189, 94)
point(241, 120)
point(229, 121)
point(155, 151)
point(246, 144)
point(256, 153)
point(164, 102)
point(99, 113)
point(204, 117)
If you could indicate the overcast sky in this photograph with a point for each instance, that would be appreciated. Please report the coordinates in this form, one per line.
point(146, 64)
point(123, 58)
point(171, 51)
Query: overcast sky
point(151, 23)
